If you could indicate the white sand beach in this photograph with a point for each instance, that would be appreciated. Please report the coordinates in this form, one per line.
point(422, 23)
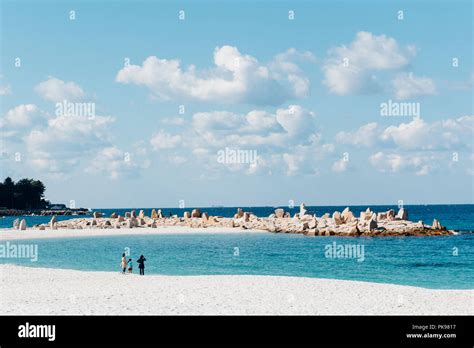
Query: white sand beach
point(30, 233)
point(41, 291)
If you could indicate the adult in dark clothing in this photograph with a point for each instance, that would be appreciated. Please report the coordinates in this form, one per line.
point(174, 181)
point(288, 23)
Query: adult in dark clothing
point(141, 264)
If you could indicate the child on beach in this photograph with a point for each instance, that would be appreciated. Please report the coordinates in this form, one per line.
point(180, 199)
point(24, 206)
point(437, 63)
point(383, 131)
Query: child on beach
point(130, 266)
point(123, 263)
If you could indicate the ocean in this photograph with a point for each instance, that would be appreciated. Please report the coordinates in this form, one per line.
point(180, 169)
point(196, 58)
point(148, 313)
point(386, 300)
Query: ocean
point(432, 262)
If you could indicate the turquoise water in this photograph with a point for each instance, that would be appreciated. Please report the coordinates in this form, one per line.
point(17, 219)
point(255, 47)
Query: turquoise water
point(429, 262)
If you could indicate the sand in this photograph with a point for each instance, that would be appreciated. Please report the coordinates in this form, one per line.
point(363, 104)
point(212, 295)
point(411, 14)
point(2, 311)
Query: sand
point(41, 291)
point(11, 234)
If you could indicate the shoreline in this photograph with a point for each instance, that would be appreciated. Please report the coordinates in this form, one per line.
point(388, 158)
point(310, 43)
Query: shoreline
point(61, 291)
point(11, 234)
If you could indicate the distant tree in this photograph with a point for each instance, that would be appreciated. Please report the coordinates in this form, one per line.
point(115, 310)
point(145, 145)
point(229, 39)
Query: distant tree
point(6, 193)
point(25, 194)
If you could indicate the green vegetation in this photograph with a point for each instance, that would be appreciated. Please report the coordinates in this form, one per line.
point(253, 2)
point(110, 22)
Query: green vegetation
point(24, 194)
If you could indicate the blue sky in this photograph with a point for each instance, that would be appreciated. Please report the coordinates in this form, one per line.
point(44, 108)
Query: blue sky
point(305, 94)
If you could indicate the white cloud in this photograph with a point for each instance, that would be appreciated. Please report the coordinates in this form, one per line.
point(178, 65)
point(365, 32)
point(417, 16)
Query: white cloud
point(5, 90)
point(178, 159)
point(350, 69)
point(67, 141)
point(296, 121)
point(438, 135)
point(21, 116)
point(417, 134)
point(364, 136)
point(287, 140)
point(235, 78)
point(393, 162)
point(416, 145)
point(339, 166)
point(173, 121)
point(257, 128)
point(57, 90)
point(162, 140)
point(117, 163)
point(407, 85)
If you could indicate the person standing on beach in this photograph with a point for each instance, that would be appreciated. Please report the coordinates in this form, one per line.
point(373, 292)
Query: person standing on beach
point(141, 264)
point(124, 263)
point(130, 266)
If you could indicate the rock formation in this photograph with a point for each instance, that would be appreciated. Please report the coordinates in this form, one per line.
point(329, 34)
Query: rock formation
point(196, 213)
point(337, 218)
point(340, 224)
point(52, 222)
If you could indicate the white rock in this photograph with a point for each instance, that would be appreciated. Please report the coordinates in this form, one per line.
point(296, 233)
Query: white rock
point(347, 215)
point(279, 213)
point(302, 209)
point(337, 218)
point(402, 214)
point(22, 225)
point(52, 222)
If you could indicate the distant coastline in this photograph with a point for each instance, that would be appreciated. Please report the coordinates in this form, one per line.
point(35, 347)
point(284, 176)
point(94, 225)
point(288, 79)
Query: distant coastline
point(44, 212)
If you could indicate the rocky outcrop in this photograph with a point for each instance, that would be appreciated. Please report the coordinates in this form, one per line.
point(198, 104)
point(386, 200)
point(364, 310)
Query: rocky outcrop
point(340, 224)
